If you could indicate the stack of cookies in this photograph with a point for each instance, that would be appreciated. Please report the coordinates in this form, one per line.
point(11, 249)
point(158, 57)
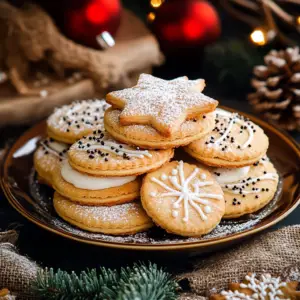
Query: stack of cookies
point(64, 127)
point(117, 178)
point(235, 152)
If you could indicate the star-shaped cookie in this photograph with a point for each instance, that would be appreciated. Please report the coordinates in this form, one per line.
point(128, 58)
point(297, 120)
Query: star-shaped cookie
point(163, 104)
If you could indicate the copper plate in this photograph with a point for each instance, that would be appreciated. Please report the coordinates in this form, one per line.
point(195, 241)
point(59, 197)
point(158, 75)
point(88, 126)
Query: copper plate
point(33, 201)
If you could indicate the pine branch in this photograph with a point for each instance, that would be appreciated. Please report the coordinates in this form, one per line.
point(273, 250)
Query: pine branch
point(146, 282)
point(89, 284)
point(143, 282)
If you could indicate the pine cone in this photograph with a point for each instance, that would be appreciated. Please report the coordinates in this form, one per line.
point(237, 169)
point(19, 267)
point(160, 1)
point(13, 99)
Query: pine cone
point(277, 85)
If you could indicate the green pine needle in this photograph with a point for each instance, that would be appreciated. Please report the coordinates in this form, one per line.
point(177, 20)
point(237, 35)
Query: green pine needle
point(140, 282)
point(89, 284)
point(146, 282)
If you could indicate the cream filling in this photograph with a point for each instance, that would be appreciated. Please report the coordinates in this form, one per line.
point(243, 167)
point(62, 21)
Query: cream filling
point(58, 147)
point(230, 175)
point(87, 182)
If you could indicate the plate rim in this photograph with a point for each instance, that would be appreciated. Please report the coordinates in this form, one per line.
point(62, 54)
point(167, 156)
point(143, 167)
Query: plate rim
point(154, 247)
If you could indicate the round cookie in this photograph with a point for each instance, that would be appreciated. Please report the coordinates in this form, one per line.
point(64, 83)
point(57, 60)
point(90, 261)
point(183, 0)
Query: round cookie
point(248, 189)
point(128, 218)
point(183, 199)
point(70, 122)
point(234, 142)
point(147, 137)
point(91, 190)
point(47, 157)
point(99, 154)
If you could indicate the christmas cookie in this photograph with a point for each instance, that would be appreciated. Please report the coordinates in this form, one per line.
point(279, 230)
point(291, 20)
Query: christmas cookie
point(92, 190)
point(123, 219)
point(148, 137)
point(70, 122)
point(183, 199)
point(47, 157)
point(163, 104)
point(234, 142)
point(264, 287)
point(247, 189)
point(99, 154)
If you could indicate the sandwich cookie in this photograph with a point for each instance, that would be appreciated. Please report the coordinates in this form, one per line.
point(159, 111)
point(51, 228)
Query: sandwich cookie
point(70, 122)
point(234, 142)
point(247, 189)
point(99, 154)
point(128, 218)
point(48, 157)
point(147, 137)
point(183, 199)
point(92, 190)
point(163, 104)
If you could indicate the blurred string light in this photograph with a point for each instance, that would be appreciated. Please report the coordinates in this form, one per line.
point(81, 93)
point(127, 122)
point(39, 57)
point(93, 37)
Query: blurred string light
point(262, 36)
point(154, 4)
point(151, 16)
point(258, 37)
point(273, 14)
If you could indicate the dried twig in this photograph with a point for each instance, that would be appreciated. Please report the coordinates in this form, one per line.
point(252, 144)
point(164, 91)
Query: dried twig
point(265, 13)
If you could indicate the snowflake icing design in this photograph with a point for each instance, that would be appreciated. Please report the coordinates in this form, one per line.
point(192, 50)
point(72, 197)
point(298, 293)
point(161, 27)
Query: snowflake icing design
point(187, 192)
point(267, 287)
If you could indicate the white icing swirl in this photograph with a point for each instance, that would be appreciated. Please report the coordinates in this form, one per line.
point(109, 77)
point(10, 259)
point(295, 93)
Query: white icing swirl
point(103, 142)
point(233, 118)
point(87, 182)
point(111, 146)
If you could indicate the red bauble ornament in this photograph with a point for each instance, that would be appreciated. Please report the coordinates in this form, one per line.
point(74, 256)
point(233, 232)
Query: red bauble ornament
point(85, 19)
point(184, 24)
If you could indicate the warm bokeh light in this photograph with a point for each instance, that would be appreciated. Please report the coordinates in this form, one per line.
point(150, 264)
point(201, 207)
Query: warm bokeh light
point(156, 3)
point(151, 17)
point(298, 20)
point(258, 37)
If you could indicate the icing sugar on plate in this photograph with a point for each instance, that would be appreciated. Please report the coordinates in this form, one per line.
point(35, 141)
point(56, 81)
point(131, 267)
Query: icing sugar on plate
point(155, 236)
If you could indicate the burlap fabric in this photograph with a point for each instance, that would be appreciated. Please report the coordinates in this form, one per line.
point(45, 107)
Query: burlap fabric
point(10, 236)
point(16, 271)
point(276, 252)
point(191, 296)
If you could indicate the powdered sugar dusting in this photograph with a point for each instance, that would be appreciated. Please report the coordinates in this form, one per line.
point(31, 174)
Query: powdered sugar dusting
point(155, 236)
point(164, 100)
point(117, 213)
